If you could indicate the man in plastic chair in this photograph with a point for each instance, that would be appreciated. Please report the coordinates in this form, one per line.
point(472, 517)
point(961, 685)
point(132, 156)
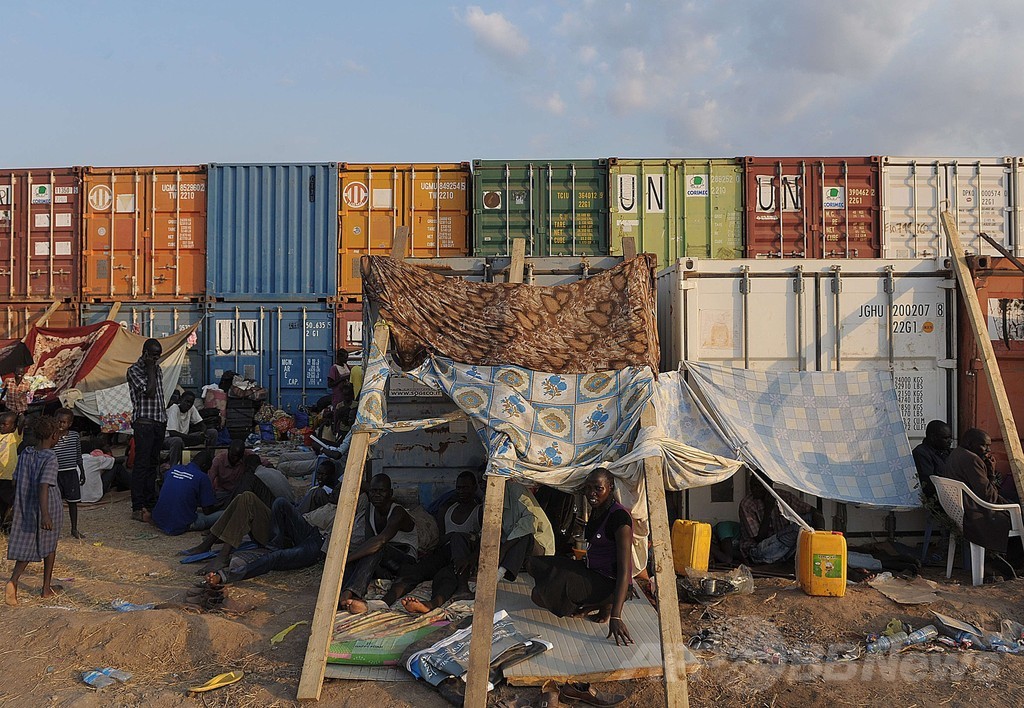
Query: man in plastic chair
point(971, 464)
point(931, 456)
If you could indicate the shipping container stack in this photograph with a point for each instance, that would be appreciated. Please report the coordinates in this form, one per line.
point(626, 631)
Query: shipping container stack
point(39, 248)
point(143, 253)
point(272, 235)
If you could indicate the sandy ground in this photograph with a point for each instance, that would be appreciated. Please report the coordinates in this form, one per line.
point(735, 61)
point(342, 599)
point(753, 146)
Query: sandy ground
point(46, 644)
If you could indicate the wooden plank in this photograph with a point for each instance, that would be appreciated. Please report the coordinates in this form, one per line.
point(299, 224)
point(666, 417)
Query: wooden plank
point(1005, 254)
point(398, 247)
point(979, 323)
point(673, 657)
point(41, 321)
point(628, 247)
point(315, 664)
point(486, 586)
point(518, 264)
point(368, 673)
point(114, 309)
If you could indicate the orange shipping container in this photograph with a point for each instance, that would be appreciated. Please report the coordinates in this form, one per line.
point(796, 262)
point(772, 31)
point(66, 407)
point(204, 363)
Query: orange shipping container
point(1001, 294)
point(144, 233)
point(17, 317)
point(433, 200)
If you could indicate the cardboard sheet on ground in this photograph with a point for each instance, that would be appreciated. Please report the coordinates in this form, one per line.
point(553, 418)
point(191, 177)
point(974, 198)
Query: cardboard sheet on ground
point(837, 435)
point(918, 591)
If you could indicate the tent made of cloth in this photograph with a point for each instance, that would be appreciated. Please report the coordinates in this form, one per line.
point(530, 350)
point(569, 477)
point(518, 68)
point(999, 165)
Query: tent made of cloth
point(94, 360)
point(836, 435)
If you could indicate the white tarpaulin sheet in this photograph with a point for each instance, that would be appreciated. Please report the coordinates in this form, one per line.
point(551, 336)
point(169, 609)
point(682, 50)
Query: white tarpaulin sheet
point(837, 435)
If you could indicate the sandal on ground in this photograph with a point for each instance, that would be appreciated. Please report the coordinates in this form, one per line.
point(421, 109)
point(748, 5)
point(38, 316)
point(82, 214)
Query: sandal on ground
point(585, 693)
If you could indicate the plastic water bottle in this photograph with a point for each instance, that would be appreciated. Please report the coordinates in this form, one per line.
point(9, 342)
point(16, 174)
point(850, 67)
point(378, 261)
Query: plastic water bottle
point(921, 636)
point(884, 644)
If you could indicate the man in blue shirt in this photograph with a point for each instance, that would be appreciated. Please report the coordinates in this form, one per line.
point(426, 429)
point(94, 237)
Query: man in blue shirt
point(186, 488)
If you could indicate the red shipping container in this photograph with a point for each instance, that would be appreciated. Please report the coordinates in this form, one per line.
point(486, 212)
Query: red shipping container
point(40, 222)
point(812, 207)
point(348, 328)
point(17, 317)
point(1001, 295)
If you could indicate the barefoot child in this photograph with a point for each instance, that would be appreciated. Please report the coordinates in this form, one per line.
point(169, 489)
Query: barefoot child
point(71, 471)
point(10, 438)
point(37, 510)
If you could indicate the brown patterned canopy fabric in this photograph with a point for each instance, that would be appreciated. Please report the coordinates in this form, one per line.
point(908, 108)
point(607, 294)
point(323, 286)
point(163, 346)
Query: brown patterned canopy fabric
point(606, 322)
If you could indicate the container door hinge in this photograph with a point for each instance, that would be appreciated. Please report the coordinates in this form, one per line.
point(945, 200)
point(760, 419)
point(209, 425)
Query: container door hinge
point(945, 363)
point(687, 284)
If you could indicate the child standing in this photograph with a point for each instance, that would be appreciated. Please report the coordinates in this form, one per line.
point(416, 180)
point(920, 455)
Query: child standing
point(37, 511)
point(71, 474)
point(10, 438)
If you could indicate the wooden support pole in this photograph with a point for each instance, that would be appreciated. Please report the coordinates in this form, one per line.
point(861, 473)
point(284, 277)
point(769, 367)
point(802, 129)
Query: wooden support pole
point(518, 264)
point(114, 309)
point(628, 247)
point(1003, 252)
point(399, 245)
point(312, 680)
point(672, 652)
point(979, 323)
point(486, 589)
point(490, 544)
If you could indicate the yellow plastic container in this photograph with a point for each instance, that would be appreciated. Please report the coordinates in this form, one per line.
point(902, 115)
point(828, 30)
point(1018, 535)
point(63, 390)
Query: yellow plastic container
point(691, 545)
point(821, 563)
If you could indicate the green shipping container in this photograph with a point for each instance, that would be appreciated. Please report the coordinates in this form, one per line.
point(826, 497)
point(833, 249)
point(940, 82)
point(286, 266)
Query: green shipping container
point(678, 208)
point(559, 206)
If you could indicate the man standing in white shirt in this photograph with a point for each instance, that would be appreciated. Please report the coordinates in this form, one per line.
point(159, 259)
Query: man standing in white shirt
point(185, 427)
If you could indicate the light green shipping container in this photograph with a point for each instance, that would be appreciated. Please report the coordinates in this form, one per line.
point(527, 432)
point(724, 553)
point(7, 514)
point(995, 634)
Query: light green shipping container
point(678, 208)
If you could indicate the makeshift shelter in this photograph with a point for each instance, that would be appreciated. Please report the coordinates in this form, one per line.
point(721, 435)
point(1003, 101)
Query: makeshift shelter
point(557, 381)
point(93, 360)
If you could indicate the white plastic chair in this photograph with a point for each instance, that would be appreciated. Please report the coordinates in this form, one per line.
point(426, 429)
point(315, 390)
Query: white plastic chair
point(951, 496)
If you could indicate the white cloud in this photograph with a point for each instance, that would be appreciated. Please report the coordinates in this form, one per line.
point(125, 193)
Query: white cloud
point(353, 67)
point(587, 54)
point(555, 105)
point(495, 33)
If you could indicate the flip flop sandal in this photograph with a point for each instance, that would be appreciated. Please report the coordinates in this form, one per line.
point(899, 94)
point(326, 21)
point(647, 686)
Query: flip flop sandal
point(218, 681)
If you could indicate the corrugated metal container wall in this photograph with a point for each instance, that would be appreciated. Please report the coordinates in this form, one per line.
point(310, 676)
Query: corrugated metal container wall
point(559, 206)
point(287, 347)
point(431, 199)
point(1001, 292)
point(40, 221)
point(983, 194)
point(678, 208)
point(162, 319)
point(894, 316)
point(144, 233)
point(273, 232)
point(17, 318)
point(554, 270)
point(812, 207)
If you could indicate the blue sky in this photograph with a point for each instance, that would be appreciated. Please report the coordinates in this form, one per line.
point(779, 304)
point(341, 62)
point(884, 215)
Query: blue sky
point(135, 83)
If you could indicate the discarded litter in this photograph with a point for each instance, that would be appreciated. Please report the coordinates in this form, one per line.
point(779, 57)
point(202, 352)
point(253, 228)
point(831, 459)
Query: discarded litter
point(707, 588)
point(279, 637)
point(125, 606)
point(218, 681)
point(101, 678)
point(905, 592)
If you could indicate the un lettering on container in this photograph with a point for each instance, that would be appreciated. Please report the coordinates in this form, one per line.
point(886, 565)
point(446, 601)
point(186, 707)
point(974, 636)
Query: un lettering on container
point(677, 208)
point(981, 192)
point(815, 207)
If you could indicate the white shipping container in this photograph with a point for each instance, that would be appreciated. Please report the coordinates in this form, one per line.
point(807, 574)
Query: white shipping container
point(982, 193)
point(816, 315)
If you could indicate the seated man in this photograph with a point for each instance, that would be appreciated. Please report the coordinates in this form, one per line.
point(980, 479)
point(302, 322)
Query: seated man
point(766, 536)
point(302, 464)
point(227, 471)
point(187, 501)
point(970, 462)
point(185, 427)
point(448, 565)
point(103, 472)
point(390, 543)
point(276, 482)
point(525, 531)
point(930, 456)
point(246, 515)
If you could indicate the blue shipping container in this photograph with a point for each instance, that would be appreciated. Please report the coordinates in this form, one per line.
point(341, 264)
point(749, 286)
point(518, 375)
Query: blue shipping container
point(272, 232)
point(162, 319)
point(286, 347)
